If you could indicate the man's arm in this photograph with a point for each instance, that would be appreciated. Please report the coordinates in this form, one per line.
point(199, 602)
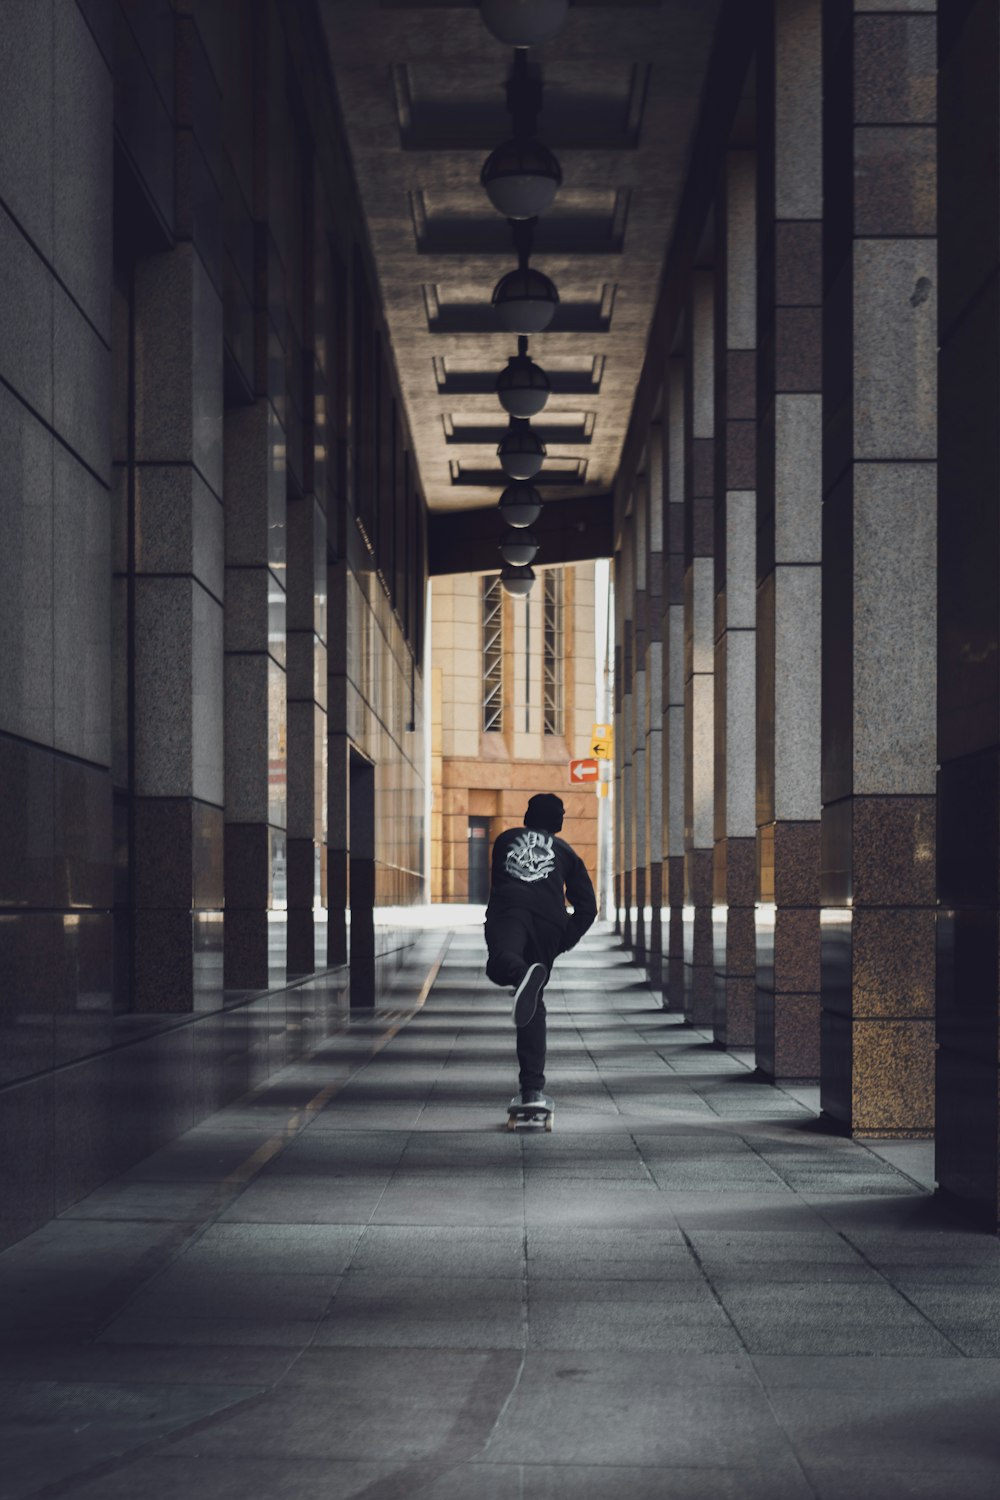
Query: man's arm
point(580, 894)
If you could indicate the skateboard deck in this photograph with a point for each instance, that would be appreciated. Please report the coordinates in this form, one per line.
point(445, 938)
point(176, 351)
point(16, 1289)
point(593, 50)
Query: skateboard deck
point(529, 1114)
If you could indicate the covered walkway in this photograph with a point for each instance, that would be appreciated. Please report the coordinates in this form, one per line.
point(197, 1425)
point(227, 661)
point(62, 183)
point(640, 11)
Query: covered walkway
point(354, 1282)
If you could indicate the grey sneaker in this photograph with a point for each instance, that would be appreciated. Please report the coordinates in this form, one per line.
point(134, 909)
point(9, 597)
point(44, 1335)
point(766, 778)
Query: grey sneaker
point(534, 1096)
point(526, 995)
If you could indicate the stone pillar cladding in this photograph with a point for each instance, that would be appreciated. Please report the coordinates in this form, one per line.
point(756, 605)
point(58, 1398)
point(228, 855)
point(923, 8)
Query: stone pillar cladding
point(257, 453)
point(968, 853)
point(338, 762)
point(306, 620)
point(57, 550)
point(735, 605)
point(675, 777)
point(618, 822)
point(179, 573)
point(789, 537)
point(699, 650)
point(624, 598)
point(654, 704)
point(640, 840)
point(879, 568)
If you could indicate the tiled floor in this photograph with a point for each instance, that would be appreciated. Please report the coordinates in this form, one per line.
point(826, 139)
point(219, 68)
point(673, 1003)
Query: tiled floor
point(357, 1283)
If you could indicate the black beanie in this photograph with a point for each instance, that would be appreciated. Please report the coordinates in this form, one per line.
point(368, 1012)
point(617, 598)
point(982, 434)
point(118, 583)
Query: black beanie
point(544, 812)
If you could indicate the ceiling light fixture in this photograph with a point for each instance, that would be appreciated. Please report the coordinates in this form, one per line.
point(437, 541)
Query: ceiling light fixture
point(517, 581)
point(519, 548)
point(520, 505)
point(521, 452)
point(525, 301)
point(523, 387)
point(521, 178)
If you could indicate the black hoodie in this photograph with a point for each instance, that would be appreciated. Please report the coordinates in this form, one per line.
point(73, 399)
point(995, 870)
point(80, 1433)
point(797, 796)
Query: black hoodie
point(538, 872)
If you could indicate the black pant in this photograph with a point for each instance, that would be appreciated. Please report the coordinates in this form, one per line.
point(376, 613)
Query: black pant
point(516, 939)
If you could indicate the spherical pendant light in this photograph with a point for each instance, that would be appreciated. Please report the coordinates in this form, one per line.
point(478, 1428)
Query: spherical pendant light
point(523, 387)
point(517, 581)
point(523, 23)
point(521, 178)
point(520, 505)
point(521, 451)
point(518, 548)
point(525, 301)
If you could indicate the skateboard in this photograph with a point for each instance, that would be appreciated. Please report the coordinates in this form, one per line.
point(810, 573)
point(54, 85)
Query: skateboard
point(529, 1114)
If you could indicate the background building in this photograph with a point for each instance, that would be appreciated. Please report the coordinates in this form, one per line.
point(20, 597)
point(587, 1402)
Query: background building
point(514, 700)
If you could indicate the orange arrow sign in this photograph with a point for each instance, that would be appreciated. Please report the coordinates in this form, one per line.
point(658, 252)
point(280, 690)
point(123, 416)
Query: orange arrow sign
point(583, 770)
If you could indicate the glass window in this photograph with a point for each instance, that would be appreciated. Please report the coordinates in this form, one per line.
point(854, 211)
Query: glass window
point(553, 645)
point(492, 654)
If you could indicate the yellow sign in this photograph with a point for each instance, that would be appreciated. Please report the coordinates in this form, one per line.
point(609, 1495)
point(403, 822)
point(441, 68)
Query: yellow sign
point(602, 742)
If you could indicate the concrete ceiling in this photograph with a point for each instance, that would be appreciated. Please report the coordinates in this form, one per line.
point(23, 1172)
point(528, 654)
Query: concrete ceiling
point(421, 92)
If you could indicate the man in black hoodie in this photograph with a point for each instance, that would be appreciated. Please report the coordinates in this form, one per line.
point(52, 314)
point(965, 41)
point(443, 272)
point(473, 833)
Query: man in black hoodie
point(533, 875)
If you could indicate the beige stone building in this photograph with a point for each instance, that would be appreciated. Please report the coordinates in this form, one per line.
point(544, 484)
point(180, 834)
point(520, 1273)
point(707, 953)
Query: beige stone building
point(514, 701)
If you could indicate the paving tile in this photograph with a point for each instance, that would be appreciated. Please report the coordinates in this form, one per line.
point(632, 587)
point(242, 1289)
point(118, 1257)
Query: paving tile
point(773, 1481)
point(597, 1206)
point(50, 1432)
point(838, 1318)
point(594, 1407)
point(385, 1404)
point(189, 1290)
point(165, 1476)
point(438, 1201)
point(214, 1332)
point(186, 1201)
point(57, 1359)
point(422, 1250)
point(307, 1200)
point(413, 1312)
point(322, 1249)
point(601, 1315)
point(634, 1254)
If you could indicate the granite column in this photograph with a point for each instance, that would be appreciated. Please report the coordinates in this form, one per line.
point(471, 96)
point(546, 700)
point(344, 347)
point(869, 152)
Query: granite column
point(699, 663)
point(789, 500)
point(178, 578)
point(674, 768)
point(640, 835)
point(654, 703)
point(735, 605)
point(879, 569)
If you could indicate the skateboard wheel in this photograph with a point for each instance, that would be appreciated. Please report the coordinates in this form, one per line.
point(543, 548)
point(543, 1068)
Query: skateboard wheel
point(511, 1123)
point(548, 1123)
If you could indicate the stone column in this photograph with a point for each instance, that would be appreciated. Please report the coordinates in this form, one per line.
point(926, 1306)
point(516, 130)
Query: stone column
point(735, 607)
point(618, 816)
point(338, 759)
point(654, 703)
point(639, 711)
point(254, 693)
point(968, 855)
point(879, 570)
point(624, 583)
point(307, 611)
point(178, 581)
point(257, 446)
point(307, 757)
point(699, 685)
point(674, 768)
point(789, 500)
